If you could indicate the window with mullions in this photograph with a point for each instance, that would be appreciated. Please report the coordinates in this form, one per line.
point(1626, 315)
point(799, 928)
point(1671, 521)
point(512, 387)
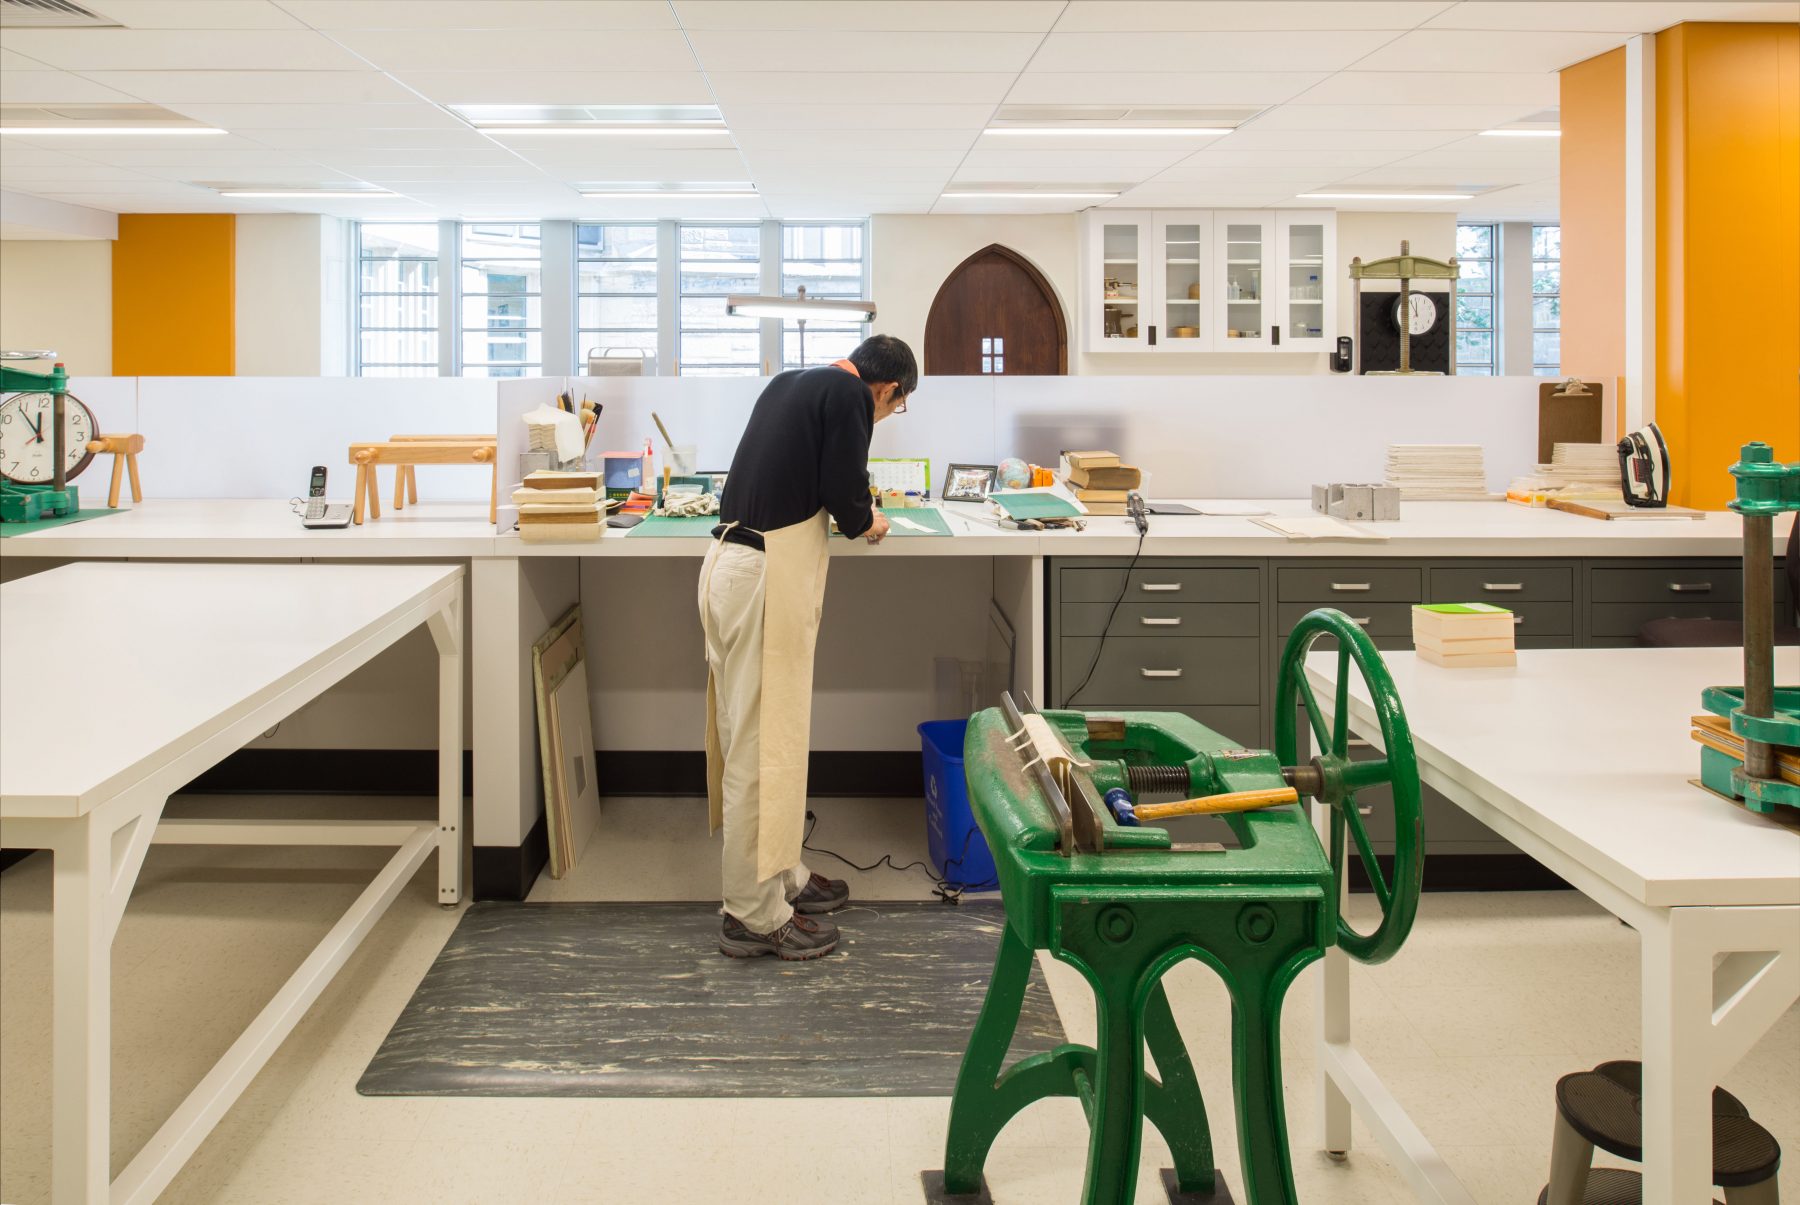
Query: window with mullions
point(1477, 300)
point(615, 282)
point(828, 260)
point(502, 300)
point(715, 262)
point(1546, 301)
point(397, 299)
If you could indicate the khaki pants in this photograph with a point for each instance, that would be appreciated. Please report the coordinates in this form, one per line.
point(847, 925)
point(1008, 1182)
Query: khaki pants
point(731, 601)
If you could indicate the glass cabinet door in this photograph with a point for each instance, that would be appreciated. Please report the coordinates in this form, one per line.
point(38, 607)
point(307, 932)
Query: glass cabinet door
point(1245, 257)
point(1184, 243)
point(1121, 281)
point(1307, 311)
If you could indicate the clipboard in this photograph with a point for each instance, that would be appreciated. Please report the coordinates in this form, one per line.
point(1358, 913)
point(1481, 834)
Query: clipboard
point(1570, 411)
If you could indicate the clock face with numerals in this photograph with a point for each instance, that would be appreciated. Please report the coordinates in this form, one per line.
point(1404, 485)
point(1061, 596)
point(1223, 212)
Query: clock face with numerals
point(1421, 313)
point(27, 448)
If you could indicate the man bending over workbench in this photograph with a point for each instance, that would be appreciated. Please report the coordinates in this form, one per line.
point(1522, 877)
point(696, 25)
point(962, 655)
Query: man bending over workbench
point(804, 457)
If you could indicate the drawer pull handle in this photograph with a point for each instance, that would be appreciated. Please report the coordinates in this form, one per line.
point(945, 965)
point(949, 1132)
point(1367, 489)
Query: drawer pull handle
point(1160, 673)
point(1160, 621)
point(1361, 620)
point(1691, 587)
point(1503, 587)
point(1351, 587)
point(1363, 809)
point(1160, 587)
point(1517, 619)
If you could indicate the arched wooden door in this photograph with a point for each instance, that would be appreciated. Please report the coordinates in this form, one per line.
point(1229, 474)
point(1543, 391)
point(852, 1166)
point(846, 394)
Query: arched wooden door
point(996, 314)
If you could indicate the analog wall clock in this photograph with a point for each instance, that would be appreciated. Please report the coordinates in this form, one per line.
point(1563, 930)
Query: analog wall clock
point(27, 438)
point(1421, 313)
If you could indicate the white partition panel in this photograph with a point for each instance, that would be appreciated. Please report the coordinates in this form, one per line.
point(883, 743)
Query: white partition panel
point(258, 437)
point(1265, 436)
point(114, 401)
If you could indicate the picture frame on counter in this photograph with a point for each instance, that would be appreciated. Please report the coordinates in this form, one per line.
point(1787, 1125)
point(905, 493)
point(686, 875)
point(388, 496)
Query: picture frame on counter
point(970, 482)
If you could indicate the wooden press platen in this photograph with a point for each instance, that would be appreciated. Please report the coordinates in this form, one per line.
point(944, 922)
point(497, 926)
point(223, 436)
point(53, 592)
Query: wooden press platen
point(1057, 772)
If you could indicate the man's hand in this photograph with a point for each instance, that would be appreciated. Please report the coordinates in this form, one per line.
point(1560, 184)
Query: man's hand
point(878, 529)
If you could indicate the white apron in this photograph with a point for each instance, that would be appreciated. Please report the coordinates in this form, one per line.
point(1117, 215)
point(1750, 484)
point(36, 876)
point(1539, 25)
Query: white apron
point(794, 562)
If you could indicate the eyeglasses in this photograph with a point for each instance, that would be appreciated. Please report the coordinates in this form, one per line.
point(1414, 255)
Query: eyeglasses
point(900, 406)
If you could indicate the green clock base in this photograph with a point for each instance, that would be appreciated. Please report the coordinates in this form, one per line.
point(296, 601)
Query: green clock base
point(29, 504)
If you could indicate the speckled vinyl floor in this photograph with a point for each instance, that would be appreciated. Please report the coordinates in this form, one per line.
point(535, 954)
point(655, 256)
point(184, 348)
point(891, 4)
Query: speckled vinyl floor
point(1493, 998)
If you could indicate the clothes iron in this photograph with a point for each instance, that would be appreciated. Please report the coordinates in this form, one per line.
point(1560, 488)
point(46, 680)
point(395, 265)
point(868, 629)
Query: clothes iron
point(1644, 467)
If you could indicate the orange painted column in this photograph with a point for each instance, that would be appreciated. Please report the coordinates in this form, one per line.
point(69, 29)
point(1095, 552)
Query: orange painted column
point(1728, 248)
point(1593, 219)
point(174, 295)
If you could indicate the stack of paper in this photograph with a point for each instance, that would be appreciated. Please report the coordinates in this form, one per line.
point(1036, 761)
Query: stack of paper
point(559, 507)
point(1101, 481)
point(1582, 464)
point(1438, 472)
point(1464, 635)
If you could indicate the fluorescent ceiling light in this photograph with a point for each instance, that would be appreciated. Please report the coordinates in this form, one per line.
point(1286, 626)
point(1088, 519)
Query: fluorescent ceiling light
point(802, 307)
point(1109, 131)
point(1028, 195)
point(312, 193)
point(650, 194)
point(1386, 196)
point(109, 131)
point(1521, 133)
point(683, 131)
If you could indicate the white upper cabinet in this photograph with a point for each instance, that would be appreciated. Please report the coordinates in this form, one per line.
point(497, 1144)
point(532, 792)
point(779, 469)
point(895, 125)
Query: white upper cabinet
point(1196, 280)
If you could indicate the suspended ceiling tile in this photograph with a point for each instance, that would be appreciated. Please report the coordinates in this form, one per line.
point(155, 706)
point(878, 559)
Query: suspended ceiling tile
point(856, 157)
point(348, 139)
point(21, 173)
point(47, 87)
point(645, 165)
point(807, 50)
point(1390, 117)
point(521, 50)
point(1464, 176)
point(400, 159)
point(958, 16)
point(890, 87)
point(1256, 138)
point(1037, 87)
point(13, 61)
point(1093, 16)
point(1539, 90)
point(1334, 158)
point(817, 141)
point(1293, 50)
point(291, 176)
point(1487, 50)
point(255, 87)
point(1639, 16)
point(560, 87)
point(482, 14)
point(181, 49)
point(854, 117)
point(196, 14)
point(1134, 159)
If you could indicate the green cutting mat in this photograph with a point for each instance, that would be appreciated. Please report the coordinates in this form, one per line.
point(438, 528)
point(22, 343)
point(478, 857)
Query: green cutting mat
point(928, 516)
point(664, 526)
point(1024, 504)
point(80, 516)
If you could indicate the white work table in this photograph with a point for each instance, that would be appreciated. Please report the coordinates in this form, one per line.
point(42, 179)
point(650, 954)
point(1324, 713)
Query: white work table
point(198, 659)
point(267, 528)
point(1582, 759)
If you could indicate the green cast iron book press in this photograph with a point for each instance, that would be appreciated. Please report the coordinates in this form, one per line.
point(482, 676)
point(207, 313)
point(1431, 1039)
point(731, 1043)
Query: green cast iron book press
point(1122, 904)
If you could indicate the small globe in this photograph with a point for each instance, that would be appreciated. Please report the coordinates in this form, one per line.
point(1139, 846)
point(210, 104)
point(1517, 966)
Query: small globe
point(1015, 474)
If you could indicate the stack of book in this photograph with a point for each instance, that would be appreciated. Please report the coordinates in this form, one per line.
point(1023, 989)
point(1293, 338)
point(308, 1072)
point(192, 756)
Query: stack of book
point(1101, 482)
point(559, 507)
point(1438, 472)
point(1464, 635)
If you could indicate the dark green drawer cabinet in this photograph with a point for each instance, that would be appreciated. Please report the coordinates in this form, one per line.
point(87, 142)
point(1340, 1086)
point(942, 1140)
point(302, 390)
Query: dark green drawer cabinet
point(1344, 585)
point(1701, 581)
point(1164, 669)
point(1375, 618)
point(1501, 584)
point(1162, 619)
point(1152, 583)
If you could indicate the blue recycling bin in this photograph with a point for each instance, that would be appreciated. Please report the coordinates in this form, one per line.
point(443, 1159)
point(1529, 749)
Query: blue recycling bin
point(958, 851)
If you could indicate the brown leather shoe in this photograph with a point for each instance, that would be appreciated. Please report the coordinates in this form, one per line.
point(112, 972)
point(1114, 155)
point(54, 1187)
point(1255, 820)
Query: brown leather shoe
point(802, 938)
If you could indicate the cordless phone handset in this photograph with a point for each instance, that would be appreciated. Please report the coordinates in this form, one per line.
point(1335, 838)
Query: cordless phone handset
point(315, 494)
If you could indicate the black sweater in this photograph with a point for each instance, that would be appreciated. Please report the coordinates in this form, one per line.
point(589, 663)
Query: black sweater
point(806, 447)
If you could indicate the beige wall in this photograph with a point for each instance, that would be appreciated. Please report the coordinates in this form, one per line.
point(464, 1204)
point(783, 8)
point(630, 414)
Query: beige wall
point(912, 255)
point(58, 295)
point(291, 291)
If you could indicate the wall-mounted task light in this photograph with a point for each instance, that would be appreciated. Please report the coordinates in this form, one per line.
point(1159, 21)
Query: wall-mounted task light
point(800, 307)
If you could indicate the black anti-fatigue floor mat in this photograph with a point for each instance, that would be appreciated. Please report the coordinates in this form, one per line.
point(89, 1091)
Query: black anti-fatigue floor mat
point(636, 1000)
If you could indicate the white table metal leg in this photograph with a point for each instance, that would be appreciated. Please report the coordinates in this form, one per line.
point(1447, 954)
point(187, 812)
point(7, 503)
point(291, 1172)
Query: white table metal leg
point(1714, 980)
point(447, 631)
point(1334, 1026)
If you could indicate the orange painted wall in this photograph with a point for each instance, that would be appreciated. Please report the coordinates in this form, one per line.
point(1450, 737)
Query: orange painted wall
point(174, 295)
point(1593, 218)
point(1728, 248)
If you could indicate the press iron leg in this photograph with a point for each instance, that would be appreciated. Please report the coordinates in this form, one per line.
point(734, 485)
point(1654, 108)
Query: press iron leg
point(1759, 638)
point(1174, 1105)
point(977, 1114)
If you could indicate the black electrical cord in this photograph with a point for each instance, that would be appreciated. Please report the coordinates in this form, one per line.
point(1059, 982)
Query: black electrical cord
point(1124, 587)
point(946, 888)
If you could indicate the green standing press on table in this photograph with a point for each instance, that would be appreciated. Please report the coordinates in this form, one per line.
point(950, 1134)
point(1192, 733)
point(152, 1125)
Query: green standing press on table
point(1122, 904)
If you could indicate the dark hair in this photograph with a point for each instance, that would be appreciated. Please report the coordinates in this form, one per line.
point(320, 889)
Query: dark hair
point(885, 358)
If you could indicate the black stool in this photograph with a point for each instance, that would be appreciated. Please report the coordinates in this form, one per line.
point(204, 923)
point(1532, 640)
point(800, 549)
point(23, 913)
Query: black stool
point(1604, 1108)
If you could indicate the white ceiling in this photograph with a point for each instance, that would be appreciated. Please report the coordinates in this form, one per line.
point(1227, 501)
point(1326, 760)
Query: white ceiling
point(834, 109)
